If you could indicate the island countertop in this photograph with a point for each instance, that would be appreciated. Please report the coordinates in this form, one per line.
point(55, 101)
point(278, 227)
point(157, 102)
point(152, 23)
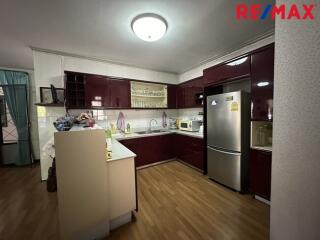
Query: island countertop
point(119, 151)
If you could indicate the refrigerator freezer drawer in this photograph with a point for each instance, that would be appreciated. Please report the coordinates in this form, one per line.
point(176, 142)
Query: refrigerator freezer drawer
point(225, 167)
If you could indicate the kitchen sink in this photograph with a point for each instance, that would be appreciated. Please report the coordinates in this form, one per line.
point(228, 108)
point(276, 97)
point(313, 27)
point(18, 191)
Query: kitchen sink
point(153, 131)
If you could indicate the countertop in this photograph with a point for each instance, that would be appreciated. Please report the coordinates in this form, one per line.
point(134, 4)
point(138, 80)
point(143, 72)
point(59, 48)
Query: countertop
point(268, 149)
point(118, 150)
point(121, 136)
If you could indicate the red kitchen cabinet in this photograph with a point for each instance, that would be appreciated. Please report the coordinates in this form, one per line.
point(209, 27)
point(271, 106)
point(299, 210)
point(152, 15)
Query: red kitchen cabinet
point(188, 94)
point(151, 149)
point(95, 91)
point(75, 90)
point(232, 70)
point(118, 94)
point(260, 173)
point(189, 150)
point(262, 78)
point(159, 148)
point(172, 96)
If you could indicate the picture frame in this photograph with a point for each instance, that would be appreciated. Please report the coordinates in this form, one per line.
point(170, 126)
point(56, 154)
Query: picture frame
point(46, 96)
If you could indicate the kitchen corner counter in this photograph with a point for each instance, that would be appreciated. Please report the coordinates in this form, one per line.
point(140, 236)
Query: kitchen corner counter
point(267, 149)
point(191, 134)
point(133, 135)
point(119, 151)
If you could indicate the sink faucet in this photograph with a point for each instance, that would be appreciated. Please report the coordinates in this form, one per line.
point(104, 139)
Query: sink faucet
point(150, 124)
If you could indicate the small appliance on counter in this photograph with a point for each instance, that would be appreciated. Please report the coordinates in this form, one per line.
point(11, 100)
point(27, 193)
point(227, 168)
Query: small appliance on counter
point(190, 125)
point(173, 123)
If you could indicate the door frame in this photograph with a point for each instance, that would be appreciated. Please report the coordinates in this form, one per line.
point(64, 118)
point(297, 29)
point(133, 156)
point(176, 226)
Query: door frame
point(28, 121)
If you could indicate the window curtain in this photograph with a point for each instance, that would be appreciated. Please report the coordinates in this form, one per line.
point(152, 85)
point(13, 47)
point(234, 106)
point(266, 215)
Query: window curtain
point(15, 88)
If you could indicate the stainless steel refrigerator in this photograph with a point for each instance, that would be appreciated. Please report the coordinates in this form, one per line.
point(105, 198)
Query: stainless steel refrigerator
point(228, 140)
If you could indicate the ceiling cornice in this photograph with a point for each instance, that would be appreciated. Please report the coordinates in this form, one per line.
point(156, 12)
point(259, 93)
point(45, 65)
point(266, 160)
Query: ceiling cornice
point(221, 53)
point(66, 54)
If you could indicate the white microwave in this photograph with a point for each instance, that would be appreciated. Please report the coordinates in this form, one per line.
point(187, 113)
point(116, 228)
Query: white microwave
point(190, 125)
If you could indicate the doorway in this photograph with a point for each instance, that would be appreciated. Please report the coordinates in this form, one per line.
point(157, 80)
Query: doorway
point(15, 143)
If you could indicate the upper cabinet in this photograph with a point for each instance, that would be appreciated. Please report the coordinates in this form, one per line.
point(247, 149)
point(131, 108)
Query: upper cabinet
point(233, 70)
point(75, 90)
point(190, 94)
point(118, 93)
point(148, 95)
point(262, 76)
point(172, 96)
point(95, 91)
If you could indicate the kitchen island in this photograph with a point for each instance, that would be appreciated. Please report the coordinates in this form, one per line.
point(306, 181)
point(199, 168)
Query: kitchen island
point(95, 195)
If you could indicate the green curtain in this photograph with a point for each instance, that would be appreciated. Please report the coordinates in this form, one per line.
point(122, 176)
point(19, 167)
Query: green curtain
point(15, 88)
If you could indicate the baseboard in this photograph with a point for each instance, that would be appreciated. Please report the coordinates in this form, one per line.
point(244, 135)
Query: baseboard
point(154, 164)
point(189, 165)
point(121, 220)
point(262, 200)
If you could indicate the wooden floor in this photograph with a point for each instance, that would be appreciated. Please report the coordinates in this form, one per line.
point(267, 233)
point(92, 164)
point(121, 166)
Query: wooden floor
point(175, 202)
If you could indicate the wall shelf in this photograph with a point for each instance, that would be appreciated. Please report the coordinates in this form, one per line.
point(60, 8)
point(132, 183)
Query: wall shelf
point(148, 95)
point(50, 104)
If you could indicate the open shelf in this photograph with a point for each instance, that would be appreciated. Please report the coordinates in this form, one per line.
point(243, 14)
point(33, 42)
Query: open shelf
point(148, 95)
point(50, 104)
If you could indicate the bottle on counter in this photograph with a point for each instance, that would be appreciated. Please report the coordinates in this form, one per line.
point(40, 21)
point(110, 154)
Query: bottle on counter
point(128, 128)
point(108, 137)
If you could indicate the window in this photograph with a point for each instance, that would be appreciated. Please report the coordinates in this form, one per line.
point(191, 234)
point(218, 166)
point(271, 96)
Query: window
point(9, 130)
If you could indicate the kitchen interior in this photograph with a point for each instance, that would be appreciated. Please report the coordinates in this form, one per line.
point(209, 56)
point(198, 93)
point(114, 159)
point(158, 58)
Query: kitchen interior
point(153, 142)
point(219, 125)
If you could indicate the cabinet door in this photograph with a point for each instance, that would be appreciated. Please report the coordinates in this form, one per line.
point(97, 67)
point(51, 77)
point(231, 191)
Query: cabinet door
point(188, 93)
point(260, 173)
point(181, 96)
point(172, 96)
point(136, 146)
point(262, 76)
point(95, 91)
point(151, 149)
point(233, 70)
point(189, 150)
point(75, 90)
point(118, 94)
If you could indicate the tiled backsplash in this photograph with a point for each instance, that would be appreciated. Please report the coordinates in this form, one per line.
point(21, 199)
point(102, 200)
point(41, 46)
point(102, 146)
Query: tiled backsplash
point(190, 113)
point(136, 118)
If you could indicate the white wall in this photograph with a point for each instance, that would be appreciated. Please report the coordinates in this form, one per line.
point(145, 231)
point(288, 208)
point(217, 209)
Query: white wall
point(198, 71)
point(109, 69)
point(295, 195)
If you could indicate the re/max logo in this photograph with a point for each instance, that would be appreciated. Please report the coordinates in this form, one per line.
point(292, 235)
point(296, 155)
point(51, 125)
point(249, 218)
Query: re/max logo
point(285, 12)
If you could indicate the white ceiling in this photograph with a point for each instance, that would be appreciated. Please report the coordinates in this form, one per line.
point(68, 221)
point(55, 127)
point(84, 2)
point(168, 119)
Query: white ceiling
point(198, 30)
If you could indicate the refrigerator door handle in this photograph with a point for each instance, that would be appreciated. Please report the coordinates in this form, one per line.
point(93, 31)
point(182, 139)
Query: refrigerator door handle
point(226, 152)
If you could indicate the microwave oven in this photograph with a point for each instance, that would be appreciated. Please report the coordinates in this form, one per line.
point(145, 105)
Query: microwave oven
point(190, 125)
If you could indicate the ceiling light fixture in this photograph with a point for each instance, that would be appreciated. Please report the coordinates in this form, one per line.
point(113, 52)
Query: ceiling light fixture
point(149, 27)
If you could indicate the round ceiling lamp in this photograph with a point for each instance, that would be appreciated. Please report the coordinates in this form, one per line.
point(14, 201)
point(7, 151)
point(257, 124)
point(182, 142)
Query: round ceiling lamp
point(149, 27)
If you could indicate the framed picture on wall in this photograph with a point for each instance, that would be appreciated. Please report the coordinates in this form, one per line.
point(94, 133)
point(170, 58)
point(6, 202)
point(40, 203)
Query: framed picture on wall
point(60, 95)
point(46, 95)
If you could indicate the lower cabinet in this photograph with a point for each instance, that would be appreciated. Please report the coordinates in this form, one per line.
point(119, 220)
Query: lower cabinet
point(164, 147)
point(151, 149)
point(260, 173)
point(189, 150)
